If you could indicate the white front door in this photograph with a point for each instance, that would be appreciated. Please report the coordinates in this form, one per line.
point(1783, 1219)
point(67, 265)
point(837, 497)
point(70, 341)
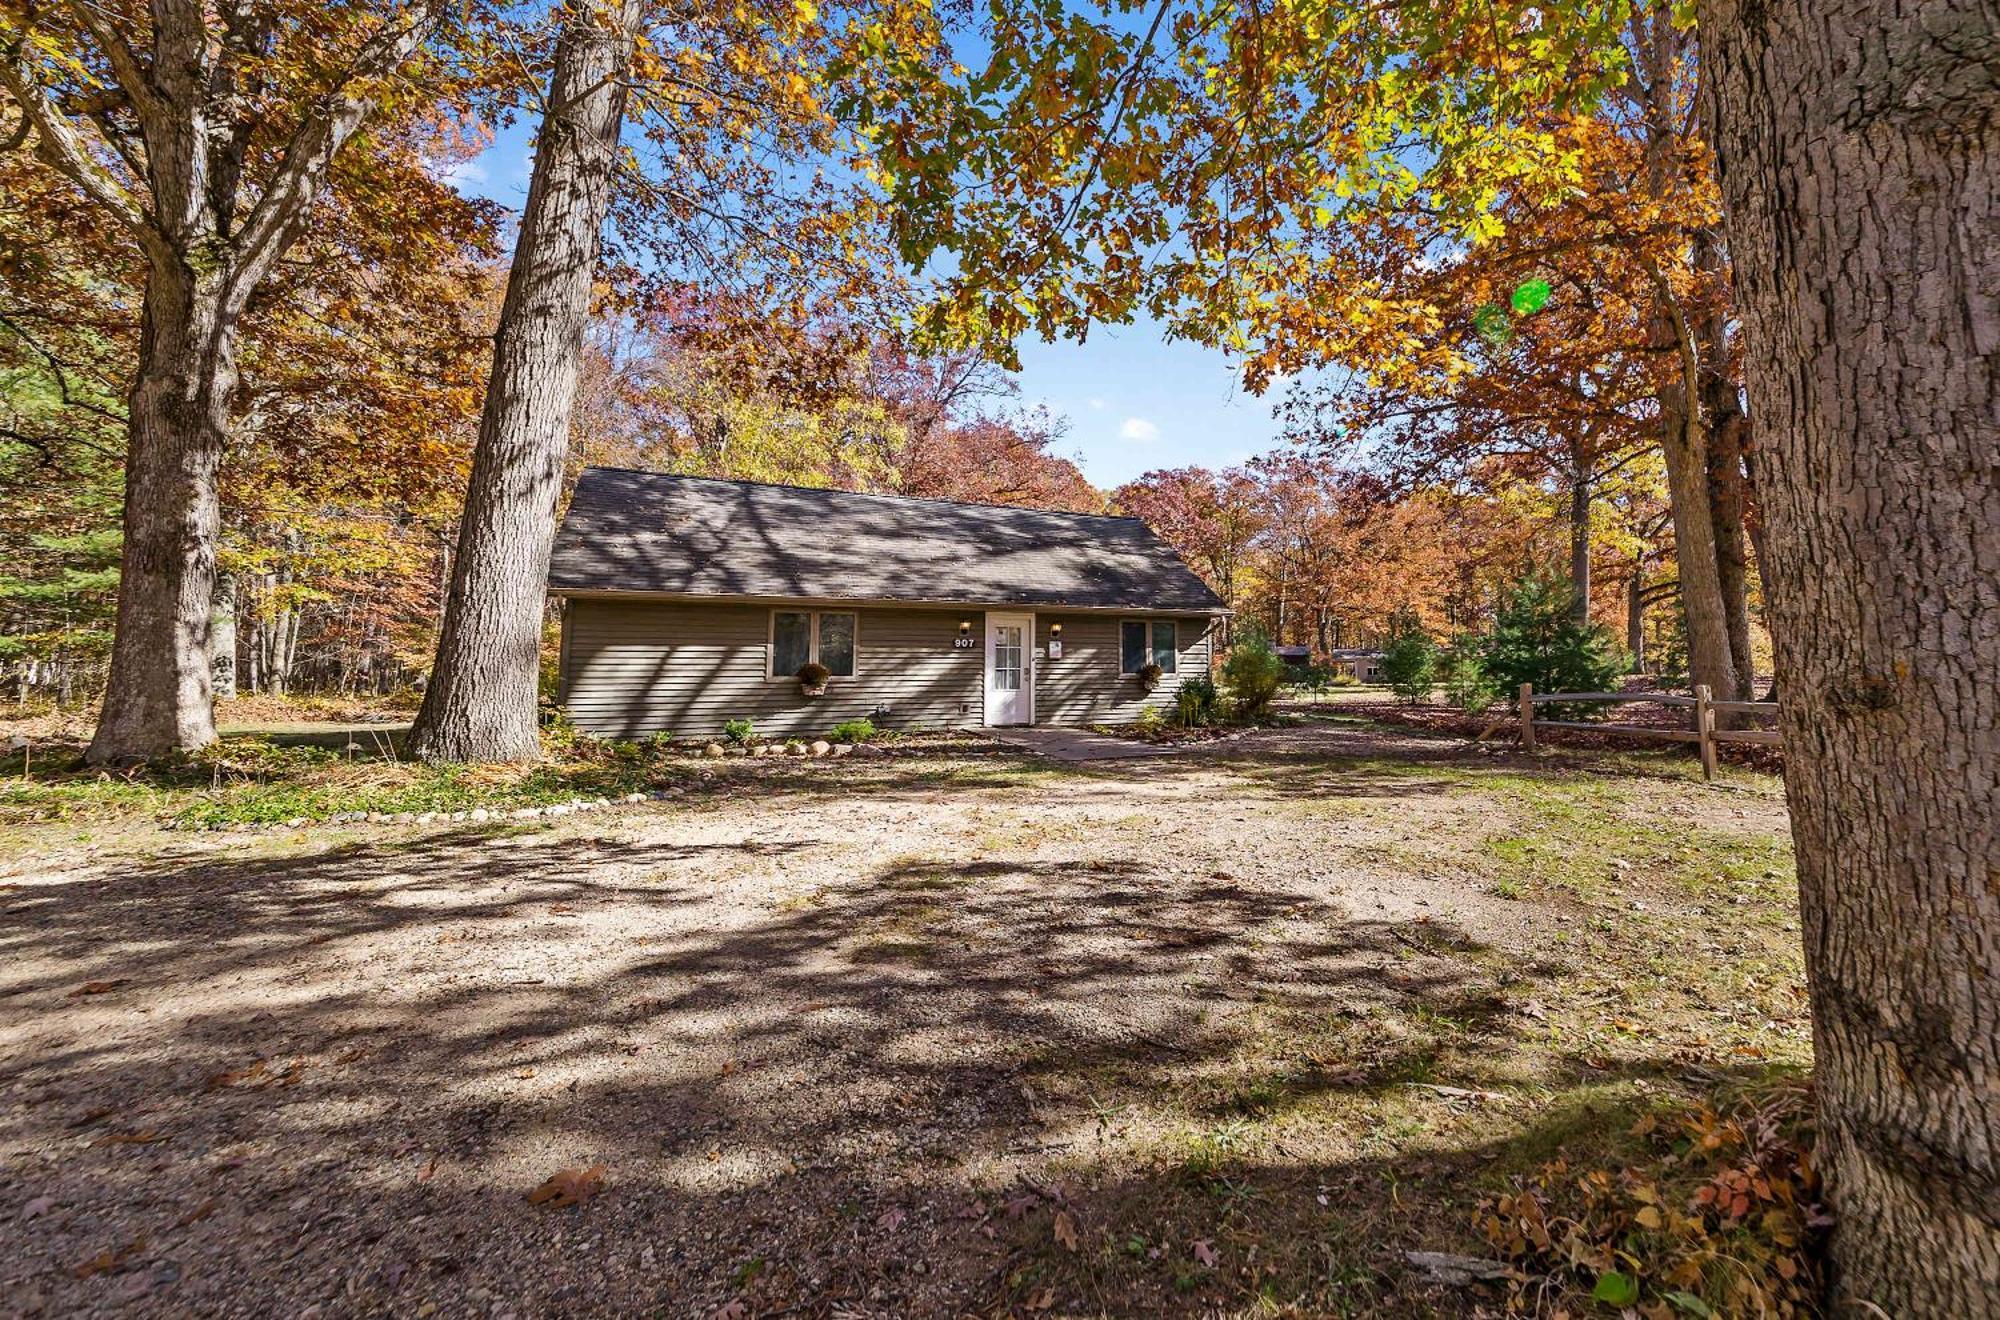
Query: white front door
point(1010, 669)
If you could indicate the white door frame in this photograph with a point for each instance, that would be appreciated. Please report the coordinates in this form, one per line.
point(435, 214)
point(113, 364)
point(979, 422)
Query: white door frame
point(1026, 622)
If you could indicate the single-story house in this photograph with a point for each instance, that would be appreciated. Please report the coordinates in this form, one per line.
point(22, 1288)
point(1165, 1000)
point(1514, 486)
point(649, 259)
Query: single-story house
point(1361, 661)
point(690, 602)
point(1297, 659)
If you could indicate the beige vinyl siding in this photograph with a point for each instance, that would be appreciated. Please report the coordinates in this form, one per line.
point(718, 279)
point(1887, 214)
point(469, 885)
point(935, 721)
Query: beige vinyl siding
point(634, 668)
point(1085, 687)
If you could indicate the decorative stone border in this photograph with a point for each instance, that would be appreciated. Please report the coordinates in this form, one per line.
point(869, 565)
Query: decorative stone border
point(487, 815)
point(472, 815)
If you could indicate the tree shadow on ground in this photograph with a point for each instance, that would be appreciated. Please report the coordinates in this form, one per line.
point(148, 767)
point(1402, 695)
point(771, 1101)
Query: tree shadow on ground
point(259, 1083)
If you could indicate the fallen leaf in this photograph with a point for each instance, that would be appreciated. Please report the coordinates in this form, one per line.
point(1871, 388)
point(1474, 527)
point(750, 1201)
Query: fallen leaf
point(142, 1137)
point(99, 987)
point(891, 1219)
point(1204, 1252)
point(732, 1311)
point(109, 1260)
point(86, 1120)
point(1042, 1300)
point(1065, 1230)
point(253, 1075)
point(430, 1171)
point(1615, 1288)
point(569, 1187)
point(199, 1213)
point(38, 1207)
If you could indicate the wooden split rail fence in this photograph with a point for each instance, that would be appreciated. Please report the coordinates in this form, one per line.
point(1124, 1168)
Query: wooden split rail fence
point(1705, 735)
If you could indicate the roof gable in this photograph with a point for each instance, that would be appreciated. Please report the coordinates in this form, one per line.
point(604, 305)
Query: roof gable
point(656, 533)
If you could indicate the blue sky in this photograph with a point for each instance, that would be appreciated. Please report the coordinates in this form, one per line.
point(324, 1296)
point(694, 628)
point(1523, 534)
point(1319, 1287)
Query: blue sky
point(1134, 400)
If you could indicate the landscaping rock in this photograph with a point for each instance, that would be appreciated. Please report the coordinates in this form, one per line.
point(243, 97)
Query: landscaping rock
point(1456, 1271)
point(821, 747)
point(712, 750)
point(842, 749)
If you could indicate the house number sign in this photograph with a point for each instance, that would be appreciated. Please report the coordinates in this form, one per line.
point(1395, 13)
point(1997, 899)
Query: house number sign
point(964, 643)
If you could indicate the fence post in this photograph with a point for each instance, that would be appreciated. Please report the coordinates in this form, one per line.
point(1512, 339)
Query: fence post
point(1528, 716)
point(1704, 727)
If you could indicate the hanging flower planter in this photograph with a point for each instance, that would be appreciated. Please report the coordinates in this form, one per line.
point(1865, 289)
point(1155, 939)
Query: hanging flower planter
point(812, 679)
point(1149, 677)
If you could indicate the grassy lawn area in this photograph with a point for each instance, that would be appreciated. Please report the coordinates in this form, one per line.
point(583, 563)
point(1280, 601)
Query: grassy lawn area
point(948, 1032)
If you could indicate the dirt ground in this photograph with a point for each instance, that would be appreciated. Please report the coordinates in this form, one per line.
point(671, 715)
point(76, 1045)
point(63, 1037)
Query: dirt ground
point(1222, 1033)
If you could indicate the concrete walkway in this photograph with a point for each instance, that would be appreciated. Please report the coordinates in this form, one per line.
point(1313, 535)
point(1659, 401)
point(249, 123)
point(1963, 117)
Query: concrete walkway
point(1075, 744)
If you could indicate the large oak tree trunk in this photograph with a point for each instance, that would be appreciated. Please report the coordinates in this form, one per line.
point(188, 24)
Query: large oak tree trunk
point(167, 154)
point(1856, 146)
point(158, 696)
point(480, 703)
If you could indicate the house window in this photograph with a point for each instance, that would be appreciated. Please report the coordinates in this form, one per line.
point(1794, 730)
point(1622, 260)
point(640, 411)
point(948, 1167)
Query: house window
point(801, 636)
point(1140, 642)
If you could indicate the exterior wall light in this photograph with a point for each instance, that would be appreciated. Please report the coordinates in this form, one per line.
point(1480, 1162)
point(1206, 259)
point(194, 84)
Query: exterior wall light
point(1055, 630)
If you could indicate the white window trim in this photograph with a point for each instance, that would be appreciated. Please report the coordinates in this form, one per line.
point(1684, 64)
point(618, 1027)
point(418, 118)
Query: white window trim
point(1123, 672)
point(812, 644)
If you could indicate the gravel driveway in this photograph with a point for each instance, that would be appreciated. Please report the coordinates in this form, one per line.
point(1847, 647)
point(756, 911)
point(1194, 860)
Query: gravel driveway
point(811, 1026)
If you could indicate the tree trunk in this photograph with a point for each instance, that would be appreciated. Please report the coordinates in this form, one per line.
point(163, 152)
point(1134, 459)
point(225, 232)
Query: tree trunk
point(159, 694)
point(1635, 616)
point(222, 637)
point(480, 702)
point(1684, 444)
point(1580, 480)
point(1855, 143)
point(1728, 495)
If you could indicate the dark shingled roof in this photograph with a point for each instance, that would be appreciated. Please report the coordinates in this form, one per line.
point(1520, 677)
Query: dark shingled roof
point(646, 531)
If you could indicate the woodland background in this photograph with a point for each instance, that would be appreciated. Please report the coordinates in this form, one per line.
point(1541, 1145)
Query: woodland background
point(1456, 416)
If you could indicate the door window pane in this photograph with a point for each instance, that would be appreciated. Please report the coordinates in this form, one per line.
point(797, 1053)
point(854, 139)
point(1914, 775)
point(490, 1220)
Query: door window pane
point(1131, 647)
point(836, 644)
point(1007, 659)
point(791, 643)
point(1163, 644)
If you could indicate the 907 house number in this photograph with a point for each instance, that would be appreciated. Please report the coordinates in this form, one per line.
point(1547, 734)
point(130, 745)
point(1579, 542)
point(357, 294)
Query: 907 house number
point(964, 643)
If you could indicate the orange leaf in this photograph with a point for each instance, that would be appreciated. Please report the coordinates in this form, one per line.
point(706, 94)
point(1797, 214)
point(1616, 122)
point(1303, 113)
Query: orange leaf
point(98, 987)
point(569, 1187)
point(1065, 1230)
point(142, 1137)
point(109, 1260)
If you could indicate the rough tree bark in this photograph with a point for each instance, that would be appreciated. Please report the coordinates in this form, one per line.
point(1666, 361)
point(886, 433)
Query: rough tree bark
point(480, 703)
point(1856, 144)
point(209, 238)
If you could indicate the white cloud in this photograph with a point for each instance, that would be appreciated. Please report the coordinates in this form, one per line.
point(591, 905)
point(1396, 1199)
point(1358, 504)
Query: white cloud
point(1097, 405)
point(465, 175)
point(1139, 429)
